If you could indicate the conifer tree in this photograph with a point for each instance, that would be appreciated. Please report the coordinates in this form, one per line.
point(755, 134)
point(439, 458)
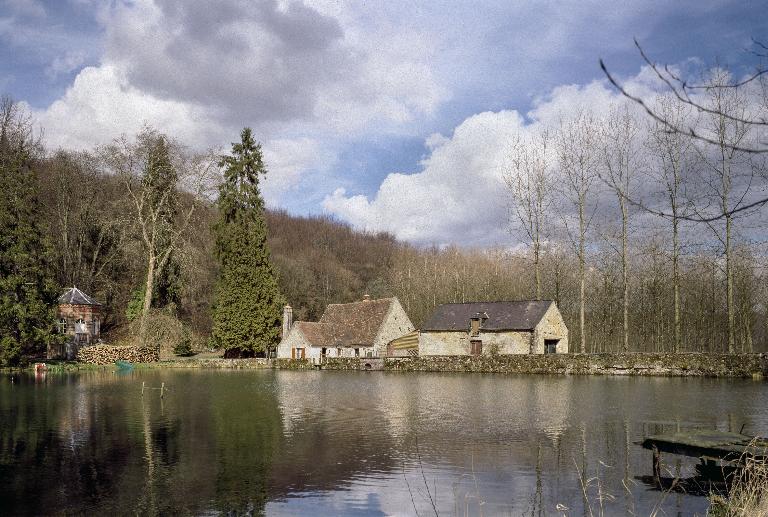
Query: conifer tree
point(246, 313)
point(27, 292)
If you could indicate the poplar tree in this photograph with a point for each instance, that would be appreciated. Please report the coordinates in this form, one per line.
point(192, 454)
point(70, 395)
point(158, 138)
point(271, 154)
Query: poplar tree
point(27, 292)
point(246, 312)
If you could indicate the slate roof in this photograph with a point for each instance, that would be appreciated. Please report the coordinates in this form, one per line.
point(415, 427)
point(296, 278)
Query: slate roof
point(519, 315)
point(74, 296)
point(347, 324)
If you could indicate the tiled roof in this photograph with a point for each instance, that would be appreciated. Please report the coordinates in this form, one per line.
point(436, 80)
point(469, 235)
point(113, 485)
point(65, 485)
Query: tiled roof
point(74, 296)
point(347, 324)
point(519, 315)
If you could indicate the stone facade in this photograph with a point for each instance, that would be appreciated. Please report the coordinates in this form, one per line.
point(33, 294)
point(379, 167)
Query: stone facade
point(396, 324)
point(550, 327)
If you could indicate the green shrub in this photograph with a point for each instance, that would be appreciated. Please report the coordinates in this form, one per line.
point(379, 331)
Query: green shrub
point(183, 347)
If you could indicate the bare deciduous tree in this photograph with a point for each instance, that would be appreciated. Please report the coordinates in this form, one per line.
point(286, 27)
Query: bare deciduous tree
point(529, 185)
point(577, 148)
point(621, 161)
point(154, 170)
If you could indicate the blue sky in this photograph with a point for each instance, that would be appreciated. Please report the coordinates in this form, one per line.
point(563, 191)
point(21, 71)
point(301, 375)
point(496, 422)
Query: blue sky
point(344, 95)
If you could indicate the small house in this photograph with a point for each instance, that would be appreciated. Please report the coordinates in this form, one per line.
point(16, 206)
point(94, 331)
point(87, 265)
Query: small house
point(79, 316)
point(358, 329)
point(483, 328)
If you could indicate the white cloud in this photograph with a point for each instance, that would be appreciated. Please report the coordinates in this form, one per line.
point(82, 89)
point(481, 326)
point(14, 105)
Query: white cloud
point(288, 161)
point(69, 62)
point(457, 197)
point(297, 76)
point(101, 105)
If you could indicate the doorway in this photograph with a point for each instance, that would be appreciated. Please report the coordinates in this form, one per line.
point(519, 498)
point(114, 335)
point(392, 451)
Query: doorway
point(550, 346)
point(476, 347)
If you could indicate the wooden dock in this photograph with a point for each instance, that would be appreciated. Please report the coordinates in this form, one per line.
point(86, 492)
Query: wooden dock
point(710, 447)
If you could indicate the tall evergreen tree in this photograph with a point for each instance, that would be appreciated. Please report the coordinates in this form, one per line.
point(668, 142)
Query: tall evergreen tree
point(27, 291)
point(246, 313)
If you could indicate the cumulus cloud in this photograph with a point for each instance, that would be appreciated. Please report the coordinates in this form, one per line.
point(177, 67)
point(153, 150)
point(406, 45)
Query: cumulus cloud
point(298, 76)
point(102, 104)
point(459, 196)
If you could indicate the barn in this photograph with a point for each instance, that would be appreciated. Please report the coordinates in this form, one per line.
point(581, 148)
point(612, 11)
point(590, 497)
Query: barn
point(486, 328)
point(357, 329)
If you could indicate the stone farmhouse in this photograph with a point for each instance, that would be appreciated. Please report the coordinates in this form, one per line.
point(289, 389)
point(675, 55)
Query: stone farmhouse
point(358, 329)
point(483, 328)
point(79, 316)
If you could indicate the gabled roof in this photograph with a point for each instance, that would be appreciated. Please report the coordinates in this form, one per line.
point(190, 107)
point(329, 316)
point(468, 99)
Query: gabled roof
point(347, 324)
point(519, 315)
point(74, 296)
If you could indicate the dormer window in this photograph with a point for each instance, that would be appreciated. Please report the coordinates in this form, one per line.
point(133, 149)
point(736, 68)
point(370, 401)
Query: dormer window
point(474, 327)
point(476, 322)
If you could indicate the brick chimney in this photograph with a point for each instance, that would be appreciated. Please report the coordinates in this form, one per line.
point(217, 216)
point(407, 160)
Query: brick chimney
point(287, 319)
point(366, 297)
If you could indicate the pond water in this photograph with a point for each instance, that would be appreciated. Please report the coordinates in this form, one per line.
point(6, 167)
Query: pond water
point(350, 443)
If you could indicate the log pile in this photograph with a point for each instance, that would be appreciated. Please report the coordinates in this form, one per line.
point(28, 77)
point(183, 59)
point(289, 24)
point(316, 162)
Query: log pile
point(108, 354)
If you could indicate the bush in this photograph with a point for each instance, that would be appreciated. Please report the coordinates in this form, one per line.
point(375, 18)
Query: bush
point(184, 347)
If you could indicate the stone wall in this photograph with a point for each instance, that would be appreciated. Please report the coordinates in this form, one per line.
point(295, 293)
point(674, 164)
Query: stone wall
point(670, 365)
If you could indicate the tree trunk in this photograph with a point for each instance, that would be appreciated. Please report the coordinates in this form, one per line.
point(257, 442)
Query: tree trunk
point(148, 288)
point(729, 285)
point(624, 273)
point(582, 278)
point(676, 278)
point(537, 268)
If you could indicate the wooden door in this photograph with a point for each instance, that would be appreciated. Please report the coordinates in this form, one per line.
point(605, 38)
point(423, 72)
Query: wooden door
point(476, 347)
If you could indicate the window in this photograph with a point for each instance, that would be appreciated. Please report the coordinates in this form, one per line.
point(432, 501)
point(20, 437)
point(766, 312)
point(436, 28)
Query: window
point(476, 347)
point(357, 352)
point(62, 325)
point(550, 346)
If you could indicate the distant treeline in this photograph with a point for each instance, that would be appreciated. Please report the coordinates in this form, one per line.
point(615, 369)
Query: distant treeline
point(320, 260)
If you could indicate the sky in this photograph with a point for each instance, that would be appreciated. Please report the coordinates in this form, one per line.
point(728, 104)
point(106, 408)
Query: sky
point(390, 115)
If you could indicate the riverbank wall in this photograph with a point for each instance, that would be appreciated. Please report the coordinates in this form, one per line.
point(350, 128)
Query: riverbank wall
point(641, 364)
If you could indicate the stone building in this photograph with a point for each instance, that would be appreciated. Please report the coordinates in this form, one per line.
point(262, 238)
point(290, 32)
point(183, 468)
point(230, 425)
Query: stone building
point(482, 328)
point(78, 316)
point(358, 329)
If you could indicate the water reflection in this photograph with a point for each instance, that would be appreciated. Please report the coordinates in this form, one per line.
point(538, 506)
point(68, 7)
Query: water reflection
point(347, 443)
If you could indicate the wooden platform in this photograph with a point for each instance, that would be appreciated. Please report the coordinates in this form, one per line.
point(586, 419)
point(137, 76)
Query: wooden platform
point(709, 444)
point(711, 447)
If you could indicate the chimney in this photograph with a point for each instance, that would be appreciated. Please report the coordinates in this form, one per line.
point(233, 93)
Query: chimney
point(287, 319)
point(366, 297)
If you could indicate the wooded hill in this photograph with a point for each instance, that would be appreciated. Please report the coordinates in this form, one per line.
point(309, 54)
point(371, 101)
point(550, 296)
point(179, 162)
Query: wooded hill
point(95, 240)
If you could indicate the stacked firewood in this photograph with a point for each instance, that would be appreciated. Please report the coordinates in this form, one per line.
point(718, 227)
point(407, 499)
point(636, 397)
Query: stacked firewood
point(107, 354)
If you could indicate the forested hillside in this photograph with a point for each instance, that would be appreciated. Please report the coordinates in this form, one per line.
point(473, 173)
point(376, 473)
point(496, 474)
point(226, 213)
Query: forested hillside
point(95, 242)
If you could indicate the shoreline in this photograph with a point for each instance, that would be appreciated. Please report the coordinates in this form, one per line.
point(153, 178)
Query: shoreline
point(754, 366)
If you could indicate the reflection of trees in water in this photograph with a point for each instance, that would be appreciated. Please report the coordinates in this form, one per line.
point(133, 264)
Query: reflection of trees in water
point(231, 441)
point(75, 446)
